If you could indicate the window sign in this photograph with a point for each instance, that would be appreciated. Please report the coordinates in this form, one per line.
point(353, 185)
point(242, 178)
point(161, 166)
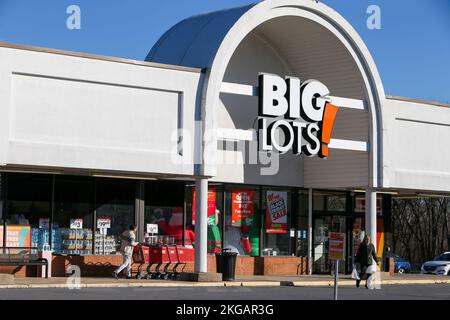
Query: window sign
point(16, 236)
point(103, 223)
point(152, 228)
point(277, 212)
point(242, 208)
point(212, 217)
point(292, 234)
point(76, 224)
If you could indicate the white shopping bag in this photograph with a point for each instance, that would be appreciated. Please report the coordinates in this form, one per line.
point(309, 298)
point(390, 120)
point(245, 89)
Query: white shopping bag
point(374, 281)
point(371, 269)
point(355, 273)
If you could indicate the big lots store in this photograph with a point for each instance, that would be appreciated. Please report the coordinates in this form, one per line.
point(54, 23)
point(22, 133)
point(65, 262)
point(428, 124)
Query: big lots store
point(260, 129)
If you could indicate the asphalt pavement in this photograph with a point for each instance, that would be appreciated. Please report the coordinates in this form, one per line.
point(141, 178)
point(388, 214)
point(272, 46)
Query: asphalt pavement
point(387, 292)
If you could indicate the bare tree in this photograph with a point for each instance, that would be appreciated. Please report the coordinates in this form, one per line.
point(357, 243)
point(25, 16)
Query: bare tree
point(420, 227)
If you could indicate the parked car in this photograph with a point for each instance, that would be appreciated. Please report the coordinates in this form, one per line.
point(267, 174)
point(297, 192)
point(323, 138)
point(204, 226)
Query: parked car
point(401, 265)
point(440, 265)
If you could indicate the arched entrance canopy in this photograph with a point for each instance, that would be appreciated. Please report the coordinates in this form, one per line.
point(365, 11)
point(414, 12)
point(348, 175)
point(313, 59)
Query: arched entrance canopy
point(209, 41)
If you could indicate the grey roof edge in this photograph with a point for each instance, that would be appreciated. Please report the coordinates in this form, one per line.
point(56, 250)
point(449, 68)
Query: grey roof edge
point(433, 103)
point(99, 57)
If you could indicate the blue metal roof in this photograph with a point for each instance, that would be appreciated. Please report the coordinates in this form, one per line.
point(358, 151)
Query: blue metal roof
point(194, 41)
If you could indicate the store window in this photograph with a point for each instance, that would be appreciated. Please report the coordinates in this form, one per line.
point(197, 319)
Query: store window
point(302, 224)
point(2, 196)
point(242, 220)
point(277, 209)
point(215, 215)
point(164, 206)
point(28, 211)
point(360, 204)
point(329, 201)
point(73, 216)
point(114, 212)
point(319, 201)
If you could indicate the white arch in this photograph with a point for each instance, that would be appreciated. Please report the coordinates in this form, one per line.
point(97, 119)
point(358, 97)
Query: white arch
point(339, 27)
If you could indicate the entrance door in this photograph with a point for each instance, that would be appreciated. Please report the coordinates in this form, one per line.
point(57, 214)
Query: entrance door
point(357, 234)
point(322, 227)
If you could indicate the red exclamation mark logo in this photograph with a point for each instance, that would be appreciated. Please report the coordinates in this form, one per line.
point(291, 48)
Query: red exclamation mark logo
point(326, 128)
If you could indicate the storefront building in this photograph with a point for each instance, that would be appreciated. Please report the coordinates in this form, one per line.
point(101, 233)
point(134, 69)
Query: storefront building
point(260, 129)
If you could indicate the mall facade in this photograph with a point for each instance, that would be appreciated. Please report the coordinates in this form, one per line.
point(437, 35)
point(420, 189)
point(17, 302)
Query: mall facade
point(260, 129)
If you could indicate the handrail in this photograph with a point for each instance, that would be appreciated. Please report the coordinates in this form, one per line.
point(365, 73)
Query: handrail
point(20, 258)
point(28, 251)
point(31, 248)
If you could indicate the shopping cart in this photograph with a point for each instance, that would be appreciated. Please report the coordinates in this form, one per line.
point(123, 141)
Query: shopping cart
point(162, 256)
point(166, 258)
point(185, 255)
point(141, 256)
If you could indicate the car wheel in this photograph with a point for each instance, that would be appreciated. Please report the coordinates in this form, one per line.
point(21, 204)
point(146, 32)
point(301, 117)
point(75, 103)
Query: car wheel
point(401, 271)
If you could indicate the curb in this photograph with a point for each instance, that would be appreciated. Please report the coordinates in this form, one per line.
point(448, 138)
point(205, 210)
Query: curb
point(352, 283)
point(146, 285)
point(217, 284)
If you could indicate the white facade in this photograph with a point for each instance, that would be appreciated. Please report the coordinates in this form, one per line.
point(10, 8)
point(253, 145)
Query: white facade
point(72, 113)
point(415, 150)
point(85, 114)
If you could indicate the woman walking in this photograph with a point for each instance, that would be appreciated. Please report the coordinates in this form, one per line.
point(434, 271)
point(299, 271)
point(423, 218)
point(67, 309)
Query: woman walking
point(128, 242)
point(365, 257)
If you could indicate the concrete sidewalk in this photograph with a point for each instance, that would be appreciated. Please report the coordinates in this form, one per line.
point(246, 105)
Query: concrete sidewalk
point(247, 281)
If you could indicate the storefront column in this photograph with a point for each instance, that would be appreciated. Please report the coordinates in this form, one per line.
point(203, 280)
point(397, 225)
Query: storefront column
point(139, 210)
point(310, 234)
point(3, 208)
point(371, 215)
point(201, 226)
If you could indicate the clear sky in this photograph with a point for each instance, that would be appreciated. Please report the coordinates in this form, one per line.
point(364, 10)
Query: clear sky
point(411, 50)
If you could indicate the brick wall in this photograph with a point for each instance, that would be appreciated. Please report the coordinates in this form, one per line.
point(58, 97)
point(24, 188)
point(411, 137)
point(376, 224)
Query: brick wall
point(25, 271)
point(91, 266)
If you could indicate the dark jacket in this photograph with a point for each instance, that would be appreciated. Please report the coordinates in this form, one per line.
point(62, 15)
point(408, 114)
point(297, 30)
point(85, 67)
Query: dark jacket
point(365, 254)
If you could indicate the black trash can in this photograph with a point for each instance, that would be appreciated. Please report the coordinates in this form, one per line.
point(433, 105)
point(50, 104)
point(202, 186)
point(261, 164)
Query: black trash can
point(226, 264)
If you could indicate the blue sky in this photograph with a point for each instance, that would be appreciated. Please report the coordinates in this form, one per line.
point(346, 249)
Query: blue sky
point(412, 49)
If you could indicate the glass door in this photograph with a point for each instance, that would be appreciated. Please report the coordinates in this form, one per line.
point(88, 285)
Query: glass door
point(321, 259)
point(357, 235)
point(322, 227)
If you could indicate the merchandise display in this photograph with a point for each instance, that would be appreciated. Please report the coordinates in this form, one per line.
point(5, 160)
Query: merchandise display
point(40, 238)
point(76, 242)
point(105, 245)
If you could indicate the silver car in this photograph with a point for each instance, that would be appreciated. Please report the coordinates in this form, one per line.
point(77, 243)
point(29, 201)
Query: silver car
point(439, 265)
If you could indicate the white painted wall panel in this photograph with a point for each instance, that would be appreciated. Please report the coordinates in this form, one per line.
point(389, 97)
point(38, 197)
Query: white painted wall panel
point(70, 112)
point(341, 169)
point(59, 111)
point(416, 140)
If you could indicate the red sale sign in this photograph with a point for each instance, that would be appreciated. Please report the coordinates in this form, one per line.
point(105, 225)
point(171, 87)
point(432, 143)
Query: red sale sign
point(242, 206)
point(337, 246)
point(277, 212)
point(211, 204)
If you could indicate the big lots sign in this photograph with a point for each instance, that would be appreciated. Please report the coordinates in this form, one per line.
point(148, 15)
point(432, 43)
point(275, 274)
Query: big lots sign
point(299, 111)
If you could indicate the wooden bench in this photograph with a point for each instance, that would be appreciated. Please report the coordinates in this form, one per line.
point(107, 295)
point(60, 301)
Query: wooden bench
point(22, 256)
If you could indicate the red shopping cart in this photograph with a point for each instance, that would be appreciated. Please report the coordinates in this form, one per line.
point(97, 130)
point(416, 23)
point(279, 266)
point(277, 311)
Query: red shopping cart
point(141, 256)
point(185, 255)
point(163, 256)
